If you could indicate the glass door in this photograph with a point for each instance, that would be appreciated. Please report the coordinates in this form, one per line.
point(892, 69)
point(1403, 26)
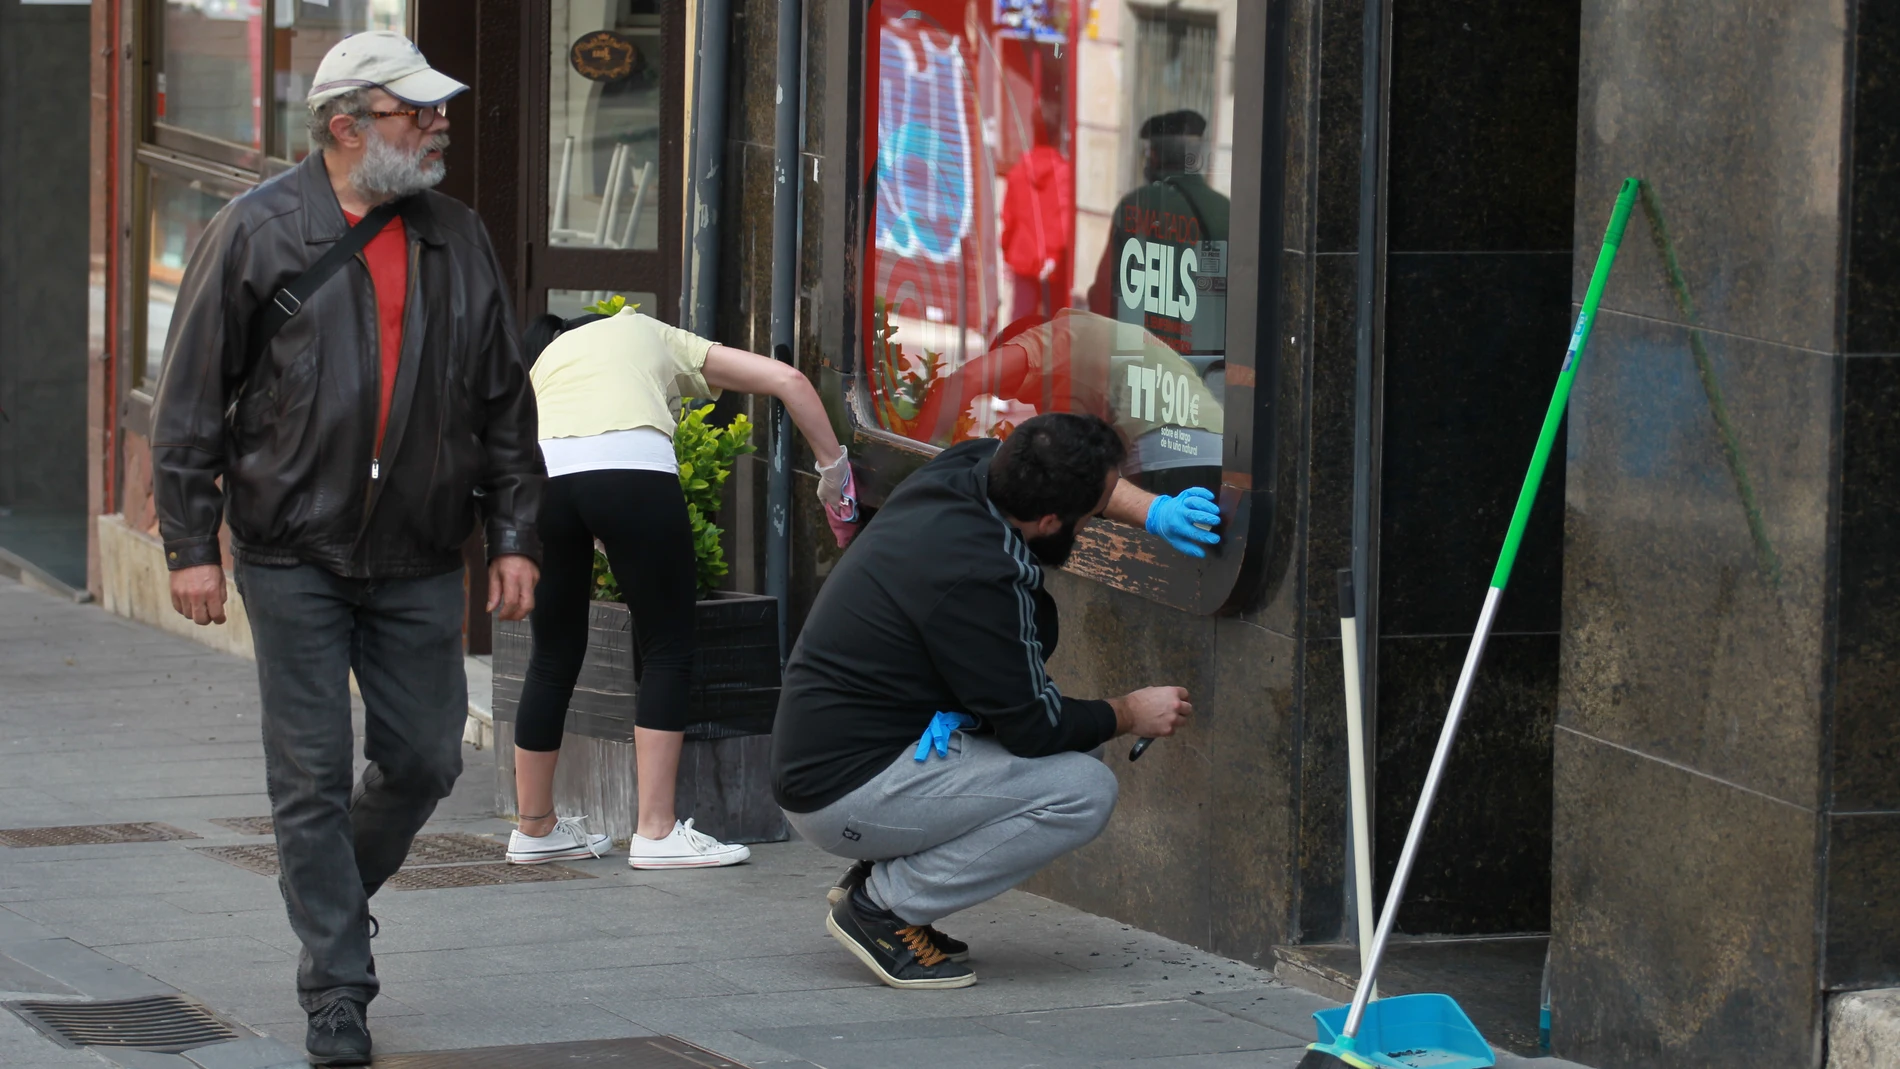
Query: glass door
point(605, 82)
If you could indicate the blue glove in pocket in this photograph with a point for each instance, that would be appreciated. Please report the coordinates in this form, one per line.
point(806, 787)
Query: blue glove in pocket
point(937, 735)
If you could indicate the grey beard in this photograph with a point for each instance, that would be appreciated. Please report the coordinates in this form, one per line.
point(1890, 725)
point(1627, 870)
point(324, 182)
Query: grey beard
point(385, 172)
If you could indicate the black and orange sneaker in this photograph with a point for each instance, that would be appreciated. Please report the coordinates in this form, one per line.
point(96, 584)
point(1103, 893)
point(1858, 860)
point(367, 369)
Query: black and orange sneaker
point(854, 877)
point(899, 954)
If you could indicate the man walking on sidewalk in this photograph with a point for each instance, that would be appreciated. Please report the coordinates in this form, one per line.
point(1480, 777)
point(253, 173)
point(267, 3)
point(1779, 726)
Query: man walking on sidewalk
point(936, 624)
point(350, 419)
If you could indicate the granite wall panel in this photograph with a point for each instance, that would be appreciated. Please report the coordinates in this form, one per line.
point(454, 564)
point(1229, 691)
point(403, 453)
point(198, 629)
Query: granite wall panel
point(1732, 110)
point(1863, 900)
point(1484, 865)
point(1249, 721)
point(1691, 633)
point(1866, 733)
point(1873, 244)
point(1473, 346)
point(1683, 916)
point(1149, 867)
point(1341, 97)
point(1483, 102)
point(1323, 786)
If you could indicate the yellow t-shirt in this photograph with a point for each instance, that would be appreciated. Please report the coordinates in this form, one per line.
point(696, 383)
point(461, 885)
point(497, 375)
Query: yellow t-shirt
point(618, 374)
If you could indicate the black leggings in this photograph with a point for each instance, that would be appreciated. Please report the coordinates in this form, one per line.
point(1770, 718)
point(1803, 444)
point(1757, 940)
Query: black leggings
point(640, 516)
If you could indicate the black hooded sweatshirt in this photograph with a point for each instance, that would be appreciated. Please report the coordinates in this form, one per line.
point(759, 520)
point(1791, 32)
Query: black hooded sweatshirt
point(937, 607)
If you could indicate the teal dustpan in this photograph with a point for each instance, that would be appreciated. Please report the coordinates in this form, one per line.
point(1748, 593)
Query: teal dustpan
point(1417, 1031)
point(1411, 1032)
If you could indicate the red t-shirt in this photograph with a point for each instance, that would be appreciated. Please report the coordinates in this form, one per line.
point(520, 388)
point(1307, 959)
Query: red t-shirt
point(388, 257)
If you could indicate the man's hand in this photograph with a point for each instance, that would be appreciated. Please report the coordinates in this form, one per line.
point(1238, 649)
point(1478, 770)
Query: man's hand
point(198, 593)
point(511, 579)
point(1152, 713)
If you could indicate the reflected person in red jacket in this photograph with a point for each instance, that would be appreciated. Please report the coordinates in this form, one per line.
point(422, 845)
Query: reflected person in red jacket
point(1039, 222)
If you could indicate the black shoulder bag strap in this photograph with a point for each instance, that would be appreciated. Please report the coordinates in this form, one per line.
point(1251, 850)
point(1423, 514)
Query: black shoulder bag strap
point(289, 300)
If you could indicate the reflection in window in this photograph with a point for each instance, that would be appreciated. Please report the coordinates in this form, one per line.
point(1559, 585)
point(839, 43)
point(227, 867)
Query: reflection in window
point(302, 32)
point(604, 124)
point(571, 303)
point(1049, 210)
point(180, 210)
point(210, 78)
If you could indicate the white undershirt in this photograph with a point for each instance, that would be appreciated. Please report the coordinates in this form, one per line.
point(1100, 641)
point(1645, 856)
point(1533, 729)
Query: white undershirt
point(640, 449)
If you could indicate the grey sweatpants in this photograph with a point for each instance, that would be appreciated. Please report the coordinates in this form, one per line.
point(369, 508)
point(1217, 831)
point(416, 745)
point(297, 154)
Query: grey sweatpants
point(954, 831)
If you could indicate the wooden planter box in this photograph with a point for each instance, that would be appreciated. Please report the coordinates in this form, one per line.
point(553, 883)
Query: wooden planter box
point(725, 779)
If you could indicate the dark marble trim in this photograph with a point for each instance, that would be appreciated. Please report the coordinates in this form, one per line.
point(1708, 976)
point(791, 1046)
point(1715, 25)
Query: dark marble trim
point(1679, 766)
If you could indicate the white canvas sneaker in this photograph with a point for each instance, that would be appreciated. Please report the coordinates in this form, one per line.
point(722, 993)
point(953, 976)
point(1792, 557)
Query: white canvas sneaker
point(683, 848)
point(567, 840)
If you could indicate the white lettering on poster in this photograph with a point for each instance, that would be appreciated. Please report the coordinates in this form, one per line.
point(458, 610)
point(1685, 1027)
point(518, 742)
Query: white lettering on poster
point(1179, 402)
point(1148, 273)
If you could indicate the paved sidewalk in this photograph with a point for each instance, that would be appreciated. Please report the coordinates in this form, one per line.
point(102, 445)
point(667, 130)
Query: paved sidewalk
point(103, 720)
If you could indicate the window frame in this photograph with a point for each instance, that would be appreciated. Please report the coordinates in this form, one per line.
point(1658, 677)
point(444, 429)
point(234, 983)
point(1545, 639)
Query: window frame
point(1117, 555)
point(183, 153)
point(546, 266)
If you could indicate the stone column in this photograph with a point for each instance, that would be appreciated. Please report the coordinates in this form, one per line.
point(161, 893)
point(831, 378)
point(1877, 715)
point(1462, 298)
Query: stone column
point(1727, 828)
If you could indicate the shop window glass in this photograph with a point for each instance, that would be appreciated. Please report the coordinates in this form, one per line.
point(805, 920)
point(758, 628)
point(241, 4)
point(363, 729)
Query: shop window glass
point(180, 209)
point(570, 303)
point(301, 33)
point(604, 123)
point(1049, 184)
point(210, 77)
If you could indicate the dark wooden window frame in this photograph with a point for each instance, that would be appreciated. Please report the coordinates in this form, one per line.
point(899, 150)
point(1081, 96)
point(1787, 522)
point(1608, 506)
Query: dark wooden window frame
point(1123, 557)
point(544, 266)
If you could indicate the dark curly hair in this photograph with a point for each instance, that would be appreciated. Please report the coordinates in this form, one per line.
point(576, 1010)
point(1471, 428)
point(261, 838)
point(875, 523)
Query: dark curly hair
point(1055, 463)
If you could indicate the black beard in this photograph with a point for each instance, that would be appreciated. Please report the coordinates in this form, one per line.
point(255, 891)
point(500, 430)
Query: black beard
point(1053, 550)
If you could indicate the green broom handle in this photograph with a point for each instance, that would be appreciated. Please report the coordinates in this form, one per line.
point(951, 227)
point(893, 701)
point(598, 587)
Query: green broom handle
point(1560, 397)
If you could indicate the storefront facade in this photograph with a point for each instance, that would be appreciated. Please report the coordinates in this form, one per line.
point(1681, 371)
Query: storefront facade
point(1172, 216)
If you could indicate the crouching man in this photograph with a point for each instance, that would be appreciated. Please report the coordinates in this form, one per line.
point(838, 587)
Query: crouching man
point(918, 730)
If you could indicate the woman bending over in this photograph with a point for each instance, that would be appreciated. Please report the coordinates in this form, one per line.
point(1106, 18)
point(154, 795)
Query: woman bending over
point(605, 387)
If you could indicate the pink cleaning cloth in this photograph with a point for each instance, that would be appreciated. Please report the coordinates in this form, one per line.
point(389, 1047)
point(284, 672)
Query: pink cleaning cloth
point(843, 517)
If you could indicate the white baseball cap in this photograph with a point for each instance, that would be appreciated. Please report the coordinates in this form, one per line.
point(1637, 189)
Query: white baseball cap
point(381, 58)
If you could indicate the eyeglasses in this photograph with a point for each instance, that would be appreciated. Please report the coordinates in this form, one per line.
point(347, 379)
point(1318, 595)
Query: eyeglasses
point(425, 117)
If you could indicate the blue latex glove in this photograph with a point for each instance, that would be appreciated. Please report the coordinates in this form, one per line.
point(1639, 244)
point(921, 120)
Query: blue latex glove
point(937, 735)
point(1184, 520)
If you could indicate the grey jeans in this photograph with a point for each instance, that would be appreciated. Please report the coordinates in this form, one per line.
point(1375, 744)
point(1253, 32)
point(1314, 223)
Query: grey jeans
point(337, 841)
point(954, 831)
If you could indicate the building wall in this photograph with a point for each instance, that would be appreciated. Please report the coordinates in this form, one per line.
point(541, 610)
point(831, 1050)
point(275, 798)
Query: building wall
point(43, 251)
point(1725, 795)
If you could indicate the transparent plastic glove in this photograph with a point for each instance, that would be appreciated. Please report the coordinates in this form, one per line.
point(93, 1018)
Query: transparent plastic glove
point(838, 493)
point(937, 735)
point(832, 479)
point(1186, 520)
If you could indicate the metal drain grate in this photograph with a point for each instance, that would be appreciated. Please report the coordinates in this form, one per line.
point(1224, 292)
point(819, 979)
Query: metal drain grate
point(163, 1023)
point(454, 848)
point(449, 848)
point(638, 1052)
point(93, 835)
point(440, 876)
point(258, 858)
point(245, 825)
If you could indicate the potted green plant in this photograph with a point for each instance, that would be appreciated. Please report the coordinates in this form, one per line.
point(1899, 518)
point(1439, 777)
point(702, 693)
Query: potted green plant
point(724, 781)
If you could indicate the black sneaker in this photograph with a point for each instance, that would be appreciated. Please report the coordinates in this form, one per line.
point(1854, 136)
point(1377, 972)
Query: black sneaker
point(854, 877)
point(338, 1034)
point(901, 955)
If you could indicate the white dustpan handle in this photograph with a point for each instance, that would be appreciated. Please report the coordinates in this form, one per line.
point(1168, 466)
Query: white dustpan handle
point(1422, 815)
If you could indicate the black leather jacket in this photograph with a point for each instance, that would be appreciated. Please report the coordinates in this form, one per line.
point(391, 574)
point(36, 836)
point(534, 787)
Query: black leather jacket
point(289, 457)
